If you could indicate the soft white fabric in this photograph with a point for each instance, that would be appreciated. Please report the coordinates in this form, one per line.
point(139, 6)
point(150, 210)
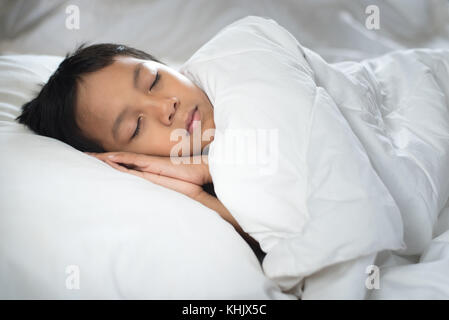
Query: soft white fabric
point(363, 162)
point(127, 237)
point(173, 30)
point(417, 277)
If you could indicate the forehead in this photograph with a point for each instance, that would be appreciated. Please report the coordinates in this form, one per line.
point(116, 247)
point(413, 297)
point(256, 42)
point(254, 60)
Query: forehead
point(101, 92)
point(96, 86)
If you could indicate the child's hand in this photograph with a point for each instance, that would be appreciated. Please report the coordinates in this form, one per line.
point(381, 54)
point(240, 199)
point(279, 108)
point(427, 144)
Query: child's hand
point(183, 178)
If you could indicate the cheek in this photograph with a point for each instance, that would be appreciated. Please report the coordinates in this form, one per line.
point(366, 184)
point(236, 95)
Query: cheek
point(178, 145)
point(157, 142)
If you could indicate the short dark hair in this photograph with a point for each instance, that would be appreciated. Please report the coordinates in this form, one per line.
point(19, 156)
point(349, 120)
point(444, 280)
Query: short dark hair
point(52, 112)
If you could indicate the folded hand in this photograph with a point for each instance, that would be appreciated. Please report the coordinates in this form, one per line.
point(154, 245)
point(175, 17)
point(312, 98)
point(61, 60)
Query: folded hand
point(186, 178)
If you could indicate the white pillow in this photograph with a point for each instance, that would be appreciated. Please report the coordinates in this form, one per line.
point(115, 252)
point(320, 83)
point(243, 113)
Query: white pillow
point(65, 216)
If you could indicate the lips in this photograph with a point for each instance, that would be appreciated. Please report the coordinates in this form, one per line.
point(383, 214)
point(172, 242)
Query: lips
point(193, 116)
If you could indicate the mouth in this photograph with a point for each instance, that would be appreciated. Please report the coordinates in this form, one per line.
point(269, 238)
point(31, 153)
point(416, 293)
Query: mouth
point(193, 119)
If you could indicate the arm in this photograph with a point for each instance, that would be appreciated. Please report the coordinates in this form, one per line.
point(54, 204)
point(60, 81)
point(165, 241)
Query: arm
point(216, 205)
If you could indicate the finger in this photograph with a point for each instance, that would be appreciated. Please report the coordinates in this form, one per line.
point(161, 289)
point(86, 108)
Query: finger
point(131, 160)
point(105, 156)
point(155, 164)
point(177, 185)
point(122, 168)
point(189, 172)
point(135, 159)
point(116, 166)
point(96, 155)
point(157, 179)
point(99, 155)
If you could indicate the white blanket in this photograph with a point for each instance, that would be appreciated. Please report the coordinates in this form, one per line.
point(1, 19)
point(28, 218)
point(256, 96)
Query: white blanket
point(397, 105)
point(363, 161)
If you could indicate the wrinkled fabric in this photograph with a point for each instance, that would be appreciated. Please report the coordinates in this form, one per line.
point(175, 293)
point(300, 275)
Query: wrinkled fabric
point(363, 163)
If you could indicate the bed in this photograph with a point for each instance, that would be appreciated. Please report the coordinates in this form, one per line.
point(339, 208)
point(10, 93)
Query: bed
point(73, 228)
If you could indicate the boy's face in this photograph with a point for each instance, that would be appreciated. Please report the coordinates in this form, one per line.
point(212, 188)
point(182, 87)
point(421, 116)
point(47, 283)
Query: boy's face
point(112, 101)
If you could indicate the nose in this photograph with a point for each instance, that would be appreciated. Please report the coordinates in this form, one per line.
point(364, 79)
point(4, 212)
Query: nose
point(166, 109)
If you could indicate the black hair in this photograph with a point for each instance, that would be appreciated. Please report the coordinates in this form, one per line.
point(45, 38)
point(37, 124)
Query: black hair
point(52, 112)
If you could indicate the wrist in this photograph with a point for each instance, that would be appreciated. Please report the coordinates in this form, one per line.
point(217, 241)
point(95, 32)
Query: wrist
point(202, 197)
point(207, 178)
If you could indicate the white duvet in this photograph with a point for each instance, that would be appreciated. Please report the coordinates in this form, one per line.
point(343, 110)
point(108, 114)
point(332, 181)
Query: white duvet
point(361, 168)
point(397, 107)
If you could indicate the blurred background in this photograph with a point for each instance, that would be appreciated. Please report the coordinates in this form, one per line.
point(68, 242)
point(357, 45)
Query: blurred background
point(173, 30)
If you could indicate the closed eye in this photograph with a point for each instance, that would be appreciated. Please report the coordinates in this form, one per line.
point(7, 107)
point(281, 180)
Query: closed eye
point(156, 80)
point(136, 132)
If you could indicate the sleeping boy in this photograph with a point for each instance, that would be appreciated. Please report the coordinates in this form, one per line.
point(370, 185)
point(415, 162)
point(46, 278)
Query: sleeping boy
point(134, 112)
